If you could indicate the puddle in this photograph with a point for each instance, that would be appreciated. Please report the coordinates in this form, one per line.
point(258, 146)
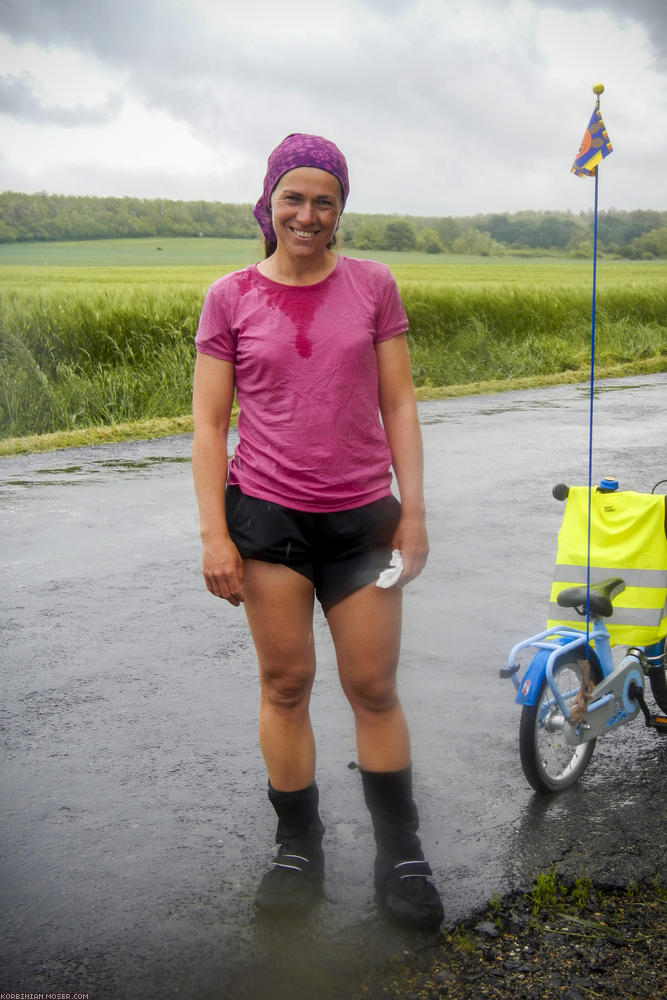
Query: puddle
point(132, 464)
point(520, 407)
point(35, 483)
point(599, 389)
point(81, 474)
point(53, 472)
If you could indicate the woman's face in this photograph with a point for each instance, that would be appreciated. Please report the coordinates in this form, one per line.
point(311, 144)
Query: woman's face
point(306, 205)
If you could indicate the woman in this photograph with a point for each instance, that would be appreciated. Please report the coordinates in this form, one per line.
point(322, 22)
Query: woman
point(314, 345)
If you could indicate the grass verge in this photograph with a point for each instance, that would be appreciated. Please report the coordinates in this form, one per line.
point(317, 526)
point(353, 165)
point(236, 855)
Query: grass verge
point(139, 430)
point(159, 427)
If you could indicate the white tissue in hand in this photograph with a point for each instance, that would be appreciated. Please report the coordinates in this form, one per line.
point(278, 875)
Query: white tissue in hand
point(388, 577)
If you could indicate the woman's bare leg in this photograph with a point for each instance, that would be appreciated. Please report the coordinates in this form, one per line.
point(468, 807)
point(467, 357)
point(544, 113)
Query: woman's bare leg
point(366, 630)
point(279, 608)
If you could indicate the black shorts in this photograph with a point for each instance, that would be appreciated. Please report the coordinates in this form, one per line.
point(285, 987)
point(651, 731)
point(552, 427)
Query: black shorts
point(338, 552)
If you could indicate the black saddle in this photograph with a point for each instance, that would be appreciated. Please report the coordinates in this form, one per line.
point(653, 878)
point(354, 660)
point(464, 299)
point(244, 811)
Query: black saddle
point(601, 596)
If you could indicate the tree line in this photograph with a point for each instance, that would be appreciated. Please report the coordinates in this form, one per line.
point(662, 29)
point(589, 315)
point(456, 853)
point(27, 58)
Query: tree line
point(50, 217)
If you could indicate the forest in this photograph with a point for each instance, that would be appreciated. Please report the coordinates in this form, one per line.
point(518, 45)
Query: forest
point(638, 235)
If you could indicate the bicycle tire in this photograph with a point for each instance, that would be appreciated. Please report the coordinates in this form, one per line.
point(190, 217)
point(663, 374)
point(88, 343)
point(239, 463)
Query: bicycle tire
point(658, 682)
point(549, 763)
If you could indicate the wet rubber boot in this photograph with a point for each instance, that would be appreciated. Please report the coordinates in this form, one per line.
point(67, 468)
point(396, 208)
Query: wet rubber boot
point(294, 881)
point(403, 878)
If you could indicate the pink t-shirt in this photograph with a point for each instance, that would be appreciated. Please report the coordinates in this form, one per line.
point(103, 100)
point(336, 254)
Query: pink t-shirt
point(310, 434)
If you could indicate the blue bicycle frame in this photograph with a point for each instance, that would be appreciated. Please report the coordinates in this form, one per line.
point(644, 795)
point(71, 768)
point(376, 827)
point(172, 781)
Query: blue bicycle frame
point(543, 663)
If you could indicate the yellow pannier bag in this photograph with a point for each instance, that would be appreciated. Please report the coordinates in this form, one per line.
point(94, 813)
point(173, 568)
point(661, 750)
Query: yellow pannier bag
point(628, 539)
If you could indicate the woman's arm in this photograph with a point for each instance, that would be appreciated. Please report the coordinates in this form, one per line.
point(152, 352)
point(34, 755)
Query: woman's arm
point(399, 416)
point(212, 399)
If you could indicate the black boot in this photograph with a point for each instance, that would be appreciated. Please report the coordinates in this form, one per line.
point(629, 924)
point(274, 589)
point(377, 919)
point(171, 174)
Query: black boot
point(403, 879)
point(295, 879)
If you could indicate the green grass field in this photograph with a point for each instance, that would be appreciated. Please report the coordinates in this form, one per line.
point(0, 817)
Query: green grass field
point(188, 260)
point(139, 253)
point(101, 333)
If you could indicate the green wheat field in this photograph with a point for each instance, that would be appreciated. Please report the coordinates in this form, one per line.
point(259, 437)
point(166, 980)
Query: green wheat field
point(100, 334)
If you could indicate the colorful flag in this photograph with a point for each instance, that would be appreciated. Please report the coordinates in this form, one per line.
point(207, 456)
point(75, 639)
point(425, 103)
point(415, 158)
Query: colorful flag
point(594, 147)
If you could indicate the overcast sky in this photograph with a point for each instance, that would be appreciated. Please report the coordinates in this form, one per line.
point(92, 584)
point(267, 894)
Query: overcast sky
point(442, 107)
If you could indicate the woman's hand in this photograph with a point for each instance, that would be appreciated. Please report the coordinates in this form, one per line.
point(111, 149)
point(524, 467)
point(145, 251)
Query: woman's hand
point(222, 567)
point(213, 393)
point(411, 539)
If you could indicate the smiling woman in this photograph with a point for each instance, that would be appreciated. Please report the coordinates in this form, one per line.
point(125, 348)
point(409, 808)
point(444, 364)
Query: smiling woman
point(314, 347)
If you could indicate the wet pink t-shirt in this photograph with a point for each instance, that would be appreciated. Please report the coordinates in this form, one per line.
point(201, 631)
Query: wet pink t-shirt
point(310, 434)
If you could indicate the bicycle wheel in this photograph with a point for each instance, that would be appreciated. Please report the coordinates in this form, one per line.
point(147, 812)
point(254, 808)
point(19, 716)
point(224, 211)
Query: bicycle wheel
point(658, 679)
point(549, 762)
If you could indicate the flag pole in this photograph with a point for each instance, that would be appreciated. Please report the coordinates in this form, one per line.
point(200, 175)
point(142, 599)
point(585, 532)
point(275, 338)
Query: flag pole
point(595, 146)
point(598, 89)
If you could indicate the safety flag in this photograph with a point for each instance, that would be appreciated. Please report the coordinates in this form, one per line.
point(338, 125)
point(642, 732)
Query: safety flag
point(594, 147)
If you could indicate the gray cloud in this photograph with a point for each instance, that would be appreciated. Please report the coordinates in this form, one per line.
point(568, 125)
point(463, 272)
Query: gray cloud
point(198, 69)
point(144, 27)
point(170, 57)
point(433, 112)
point(20, 99)
point(218, 80)
point(652, 14)
point(150, 36)
point(94, 25)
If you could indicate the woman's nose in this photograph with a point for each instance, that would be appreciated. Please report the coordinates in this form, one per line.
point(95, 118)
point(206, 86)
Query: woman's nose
point(305, 213)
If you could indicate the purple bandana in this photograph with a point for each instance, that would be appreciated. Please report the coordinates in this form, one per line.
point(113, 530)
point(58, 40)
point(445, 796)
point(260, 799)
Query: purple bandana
point(299, 150)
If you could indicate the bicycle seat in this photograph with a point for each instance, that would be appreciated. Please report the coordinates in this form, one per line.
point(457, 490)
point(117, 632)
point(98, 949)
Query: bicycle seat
point(601, 597)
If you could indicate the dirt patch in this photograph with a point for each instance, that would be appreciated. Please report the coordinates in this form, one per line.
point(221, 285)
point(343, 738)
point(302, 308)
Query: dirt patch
point(586, 942)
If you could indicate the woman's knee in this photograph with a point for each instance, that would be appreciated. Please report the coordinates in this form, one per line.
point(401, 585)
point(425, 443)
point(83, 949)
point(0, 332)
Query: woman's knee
point(374, 695)
point(287, 691)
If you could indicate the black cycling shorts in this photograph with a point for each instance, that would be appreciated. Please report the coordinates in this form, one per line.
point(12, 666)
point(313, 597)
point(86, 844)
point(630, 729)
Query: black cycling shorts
point(339, 552)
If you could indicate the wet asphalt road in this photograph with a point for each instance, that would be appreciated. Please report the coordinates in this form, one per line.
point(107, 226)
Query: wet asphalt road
point(135, 821)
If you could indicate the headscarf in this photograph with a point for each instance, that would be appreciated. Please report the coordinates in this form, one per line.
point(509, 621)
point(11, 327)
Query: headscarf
point(298, 150)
